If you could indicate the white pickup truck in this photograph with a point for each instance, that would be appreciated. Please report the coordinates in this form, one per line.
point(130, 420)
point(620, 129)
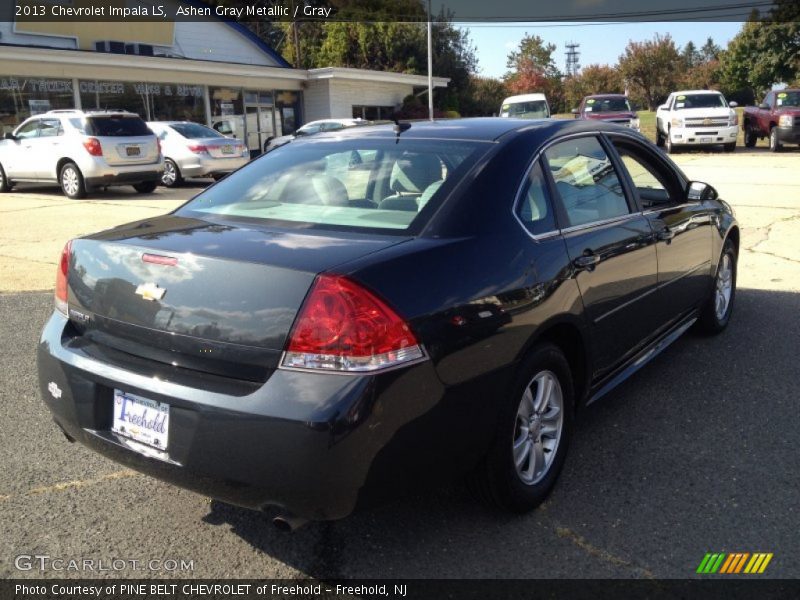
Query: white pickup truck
point(697, 118)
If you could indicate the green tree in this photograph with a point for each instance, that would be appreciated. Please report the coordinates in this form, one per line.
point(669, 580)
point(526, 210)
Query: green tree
point(487, 93)
point(710, 51)
point(651, 69)
point(690, 54)
point(593, 79)
point(533, 69)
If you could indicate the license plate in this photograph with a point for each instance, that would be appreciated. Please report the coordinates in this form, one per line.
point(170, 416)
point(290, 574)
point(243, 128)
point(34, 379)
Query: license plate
point(705, 140)
point(141, 419)
point(227, 149)
point(133, 150)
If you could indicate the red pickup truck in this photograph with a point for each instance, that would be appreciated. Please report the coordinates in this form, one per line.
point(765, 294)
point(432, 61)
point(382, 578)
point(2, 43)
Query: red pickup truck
point(777, 118)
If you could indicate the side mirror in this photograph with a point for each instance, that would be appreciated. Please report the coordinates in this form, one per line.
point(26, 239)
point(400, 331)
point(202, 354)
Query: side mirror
point(9, 136)
point(662, 107)
point(763, 106)
point(733, 104)
point(697, 191)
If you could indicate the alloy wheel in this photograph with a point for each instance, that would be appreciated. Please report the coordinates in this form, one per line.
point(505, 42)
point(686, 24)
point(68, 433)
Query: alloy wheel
point(539, 423)
point(70, 181)
point(724, 286)
point(170, 174)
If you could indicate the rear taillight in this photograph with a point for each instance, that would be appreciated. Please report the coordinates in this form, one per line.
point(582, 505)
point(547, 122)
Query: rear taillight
point(198, 148)
point(61, 278)
point(344, 327)
point(93, 146)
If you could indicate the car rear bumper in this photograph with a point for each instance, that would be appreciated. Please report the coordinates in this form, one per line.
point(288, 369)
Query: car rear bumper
point(698, 136)
point(212, 166)
point(99, 175)
point(316, 445)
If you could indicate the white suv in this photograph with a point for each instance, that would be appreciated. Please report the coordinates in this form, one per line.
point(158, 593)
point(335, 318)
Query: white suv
point(697, 118)
point(82, 151)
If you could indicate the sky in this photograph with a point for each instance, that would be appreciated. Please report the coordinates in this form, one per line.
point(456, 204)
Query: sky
point(600, 42)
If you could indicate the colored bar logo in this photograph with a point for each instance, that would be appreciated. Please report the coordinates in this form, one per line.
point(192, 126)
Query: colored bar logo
point(734, 563)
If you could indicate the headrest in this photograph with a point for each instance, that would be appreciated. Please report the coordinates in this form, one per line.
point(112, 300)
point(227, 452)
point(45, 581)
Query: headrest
point(412, 173)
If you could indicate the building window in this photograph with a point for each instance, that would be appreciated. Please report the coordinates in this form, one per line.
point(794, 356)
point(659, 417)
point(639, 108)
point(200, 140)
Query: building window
point(373, 113)
point(227, 111)
point(151, 101)
point(21, 97)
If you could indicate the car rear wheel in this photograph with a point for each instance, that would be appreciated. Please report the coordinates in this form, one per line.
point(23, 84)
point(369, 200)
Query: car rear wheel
point(532, 435)
point(172, 174)
point(72, 183)
point(774, 143)
point(718, 309)
point(5, 186)
point(146, 187)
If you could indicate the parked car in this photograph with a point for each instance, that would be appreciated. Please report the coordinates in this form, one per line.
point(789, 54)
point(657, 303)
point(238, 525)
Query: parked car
point(194, 150)
point(697, 118)
point(305, 337)
point(776, 118)
point(612, 108)
point(81, 151)
point(312, 128)
point(525, 106)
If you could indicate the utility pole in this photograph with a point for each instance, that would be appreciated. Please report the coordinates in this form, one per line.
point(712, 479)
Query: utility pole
point(572, 58)
point(296, 35)
point(430, 64)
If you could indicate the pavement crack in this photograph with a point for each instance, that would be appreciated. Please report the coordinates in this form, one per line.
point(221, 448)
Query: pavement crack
point(604, 555)
point(767, 238)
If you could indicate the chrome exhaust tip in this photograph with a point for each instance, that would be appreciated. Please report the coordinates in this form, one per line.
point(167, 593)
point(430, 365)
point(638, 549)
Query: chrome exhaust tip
point(288, 523)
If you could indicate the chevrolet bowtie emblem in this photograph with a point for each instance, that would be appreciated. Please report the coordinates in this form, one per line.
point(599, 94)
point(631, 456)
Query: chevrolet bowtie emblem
point(150, 291)
point(707, 121)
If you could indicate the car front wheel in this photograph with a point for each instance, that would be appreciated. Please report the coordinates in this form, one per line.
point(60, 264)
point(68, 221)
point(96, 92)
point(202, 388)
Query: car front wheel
point(532, 435)
point(774, 143)
point(718, 308)
point(72, 183)
point(750, 138)
point(668, 145)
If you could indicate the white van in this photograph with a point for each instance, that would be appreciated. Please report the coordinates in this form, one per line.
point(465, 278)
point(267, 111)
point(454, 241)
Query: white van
point(525, 106)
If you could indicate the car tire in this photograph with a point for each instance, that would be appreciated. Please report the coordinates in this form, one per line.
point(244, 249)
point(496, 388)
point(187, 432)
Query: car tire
point(716, 314)
point(532, 425)
point(71, 180)
point(5, 185)
point(172, 174)
point(774, 143)
point(146, 187)
point(750, 138)
point(730, 147)
point(659, 139)
point(669, 147)
point(219, 176)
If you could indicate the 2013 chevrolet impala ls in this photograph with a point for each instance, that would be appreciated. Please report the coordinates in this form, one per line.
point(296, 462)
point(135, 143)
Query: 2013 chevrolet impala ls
point(372, 310)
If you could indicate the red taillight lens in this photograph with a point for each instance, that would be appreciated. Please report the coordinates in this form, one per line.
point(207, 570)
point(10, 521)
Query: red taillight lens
point(344, 327)
point(198, 148)
point(61, 278)
point(93, 146)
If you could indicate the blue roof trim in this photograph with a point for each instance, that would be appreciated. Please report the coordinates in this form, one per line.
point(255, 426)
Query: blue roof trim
point(246, 33)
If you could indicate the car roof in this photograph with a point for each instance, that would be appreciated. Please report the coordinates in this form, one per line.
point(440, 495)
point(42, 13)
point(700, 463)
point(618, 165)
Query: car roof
point(524, 97)
point(485, 129)
point(606, 96)
point(698, 92)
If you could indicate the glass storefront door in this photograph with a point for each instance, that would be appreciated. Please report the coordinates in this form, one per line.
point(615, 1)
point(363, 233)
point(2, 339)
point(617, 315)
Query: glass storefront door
point(259, 120)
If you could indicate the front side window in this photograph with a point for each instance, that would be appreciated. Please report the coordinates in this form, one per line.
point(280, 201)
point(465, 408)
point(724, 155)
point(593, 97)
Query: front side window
point(534, 209)
point(654, 185)
point(372, 184)
point(29, 130)
point(586, 181)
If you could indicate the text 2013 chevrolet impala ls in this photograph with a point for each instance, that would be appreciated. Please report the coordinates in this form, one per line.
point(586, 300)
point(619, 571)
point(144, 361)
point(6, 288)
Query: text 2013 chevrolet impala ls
point(361, 312)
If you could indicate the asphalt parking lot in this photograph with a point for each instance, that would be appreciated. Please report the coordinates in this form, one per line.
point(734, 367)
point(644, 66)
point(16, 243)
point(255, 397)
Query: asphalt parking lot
point(697, 453)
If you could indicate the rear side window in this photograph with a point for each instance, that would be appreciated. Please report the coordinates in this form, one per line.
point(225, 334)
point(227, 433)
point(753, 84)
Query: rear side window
point(534, 208)
point(586, 181)
point(366, 183)
point(116, 126)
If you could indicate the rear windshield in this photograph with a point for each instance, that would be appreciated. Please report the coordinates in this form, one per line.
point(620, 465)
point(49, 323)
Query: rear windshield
point(598, 105)
point(532, 109)
point(195, 131)
point(116, 126)
point(699, 101)
point(385, 185)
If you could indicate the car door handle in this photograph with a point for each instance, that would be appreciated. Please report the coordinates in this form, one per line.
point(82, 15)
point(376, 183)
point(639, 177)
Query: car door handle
point(587, 261)
point(665, 235)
